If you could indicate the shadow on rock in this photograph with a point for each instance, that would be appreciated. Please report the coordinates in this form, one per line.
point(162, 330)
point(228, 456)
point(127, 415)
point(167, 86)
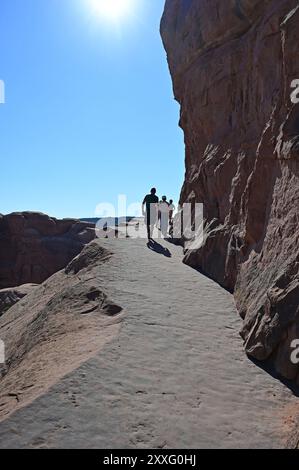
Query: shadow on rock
point(268, 367)
point(161, 250)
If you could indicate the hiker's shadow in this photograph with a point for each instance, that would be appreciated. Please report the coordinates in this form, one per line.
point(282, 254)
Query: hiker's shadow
point(161, 250)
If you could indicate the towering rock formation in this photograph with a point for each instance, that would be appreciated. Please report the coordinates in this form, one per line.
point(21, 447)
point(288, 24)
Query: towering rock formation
point(232, 65)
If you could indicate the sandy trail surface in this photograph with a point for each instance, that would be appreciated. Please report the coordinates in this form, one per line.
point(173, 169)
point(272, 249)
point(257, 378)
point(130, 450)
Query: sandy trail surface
point(175, 376)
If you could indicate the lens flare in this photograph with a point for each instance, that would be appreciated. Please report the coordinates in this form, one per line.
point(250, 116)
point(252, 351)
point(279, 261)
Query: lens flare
point(112, 10)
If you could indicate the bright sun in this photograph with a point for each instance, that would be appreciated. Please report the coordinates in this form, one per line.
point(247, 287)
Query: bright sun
point(112, 10)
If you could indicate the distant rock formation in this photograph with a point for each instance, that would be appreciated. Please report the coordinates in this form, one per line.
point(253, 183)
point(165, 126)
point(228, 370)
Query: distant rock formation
point(34, 246)
point(232, 65)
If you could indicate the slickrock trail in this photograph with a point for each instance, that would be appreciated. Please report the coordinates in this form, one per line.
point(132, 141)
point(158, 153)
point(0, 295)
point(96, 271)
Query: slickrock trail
point(175, 374)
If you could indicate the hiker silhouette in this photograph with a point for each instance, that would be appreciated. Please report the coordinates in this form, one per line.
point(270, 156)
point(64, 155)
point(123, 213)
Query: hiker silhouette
point(150, 211)
point(164, 216)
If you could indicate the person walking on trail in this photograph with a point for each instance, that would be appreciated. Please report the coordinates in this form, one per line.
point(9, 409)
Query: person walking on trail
point(164, 216)
point(164, 198)
point(171, 212)
point(150, 202)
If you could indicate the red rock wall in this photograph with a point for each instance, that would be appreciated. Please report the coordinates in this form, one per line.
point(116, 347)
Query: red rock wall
point(34, 246)
point(232, 65)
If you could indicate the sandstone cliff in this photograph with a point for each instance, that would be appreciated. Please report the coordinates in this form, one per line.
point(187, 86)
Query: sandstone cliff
point(232, 65)
point(34, 246)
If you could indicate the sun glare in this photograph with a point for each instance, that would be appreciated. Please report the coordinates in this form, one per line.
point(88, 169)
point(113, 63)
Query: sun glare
point(112, 10)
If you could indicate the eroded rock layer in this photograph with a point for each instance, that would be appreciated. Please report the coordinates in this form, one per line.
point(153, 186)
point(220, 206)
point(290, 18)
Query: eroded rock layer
point(232, 65)
point(34, 246)
point(50, 329)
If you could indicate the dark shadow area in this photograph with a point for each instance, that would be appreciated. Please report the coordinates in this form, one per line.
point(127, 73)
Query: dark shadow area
point(268, 367)
point(175, 241)
point(154, 246)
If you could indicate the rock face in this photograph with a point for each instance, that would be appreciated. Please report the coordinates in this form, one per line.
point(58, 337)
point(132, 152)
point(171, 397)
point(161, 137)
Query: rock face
point(56, 327)
point(232, 65)
point(34, 246)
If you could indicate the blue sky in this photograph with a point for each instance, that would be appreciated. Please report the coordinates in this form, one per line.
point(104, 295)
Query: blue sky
point(89, 110)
